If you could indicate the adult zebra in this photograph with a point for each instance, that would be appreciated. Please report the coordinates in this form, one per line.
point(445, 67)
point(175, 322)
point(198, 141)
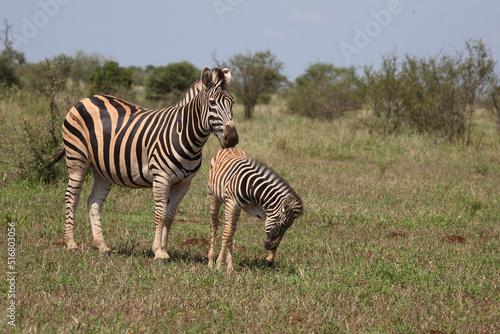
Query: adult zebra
point(131, 146)
point(247, 184)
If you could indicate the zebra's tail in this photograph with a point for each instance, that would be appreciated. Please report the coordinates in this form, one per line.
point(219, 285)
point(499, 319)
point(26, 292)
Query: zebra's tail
point(56, 157)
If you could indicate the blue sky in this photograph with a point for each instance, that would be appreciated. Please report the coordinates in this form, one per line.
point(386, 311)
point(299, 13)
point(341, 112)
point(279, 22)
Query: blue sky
point(299, 33)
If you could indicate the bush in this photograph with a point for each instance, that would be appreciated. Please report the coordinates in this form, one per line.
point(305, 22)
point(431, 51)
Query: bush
point(36, 135)
point(82, 65)
point(433, 95)
point(492, 97)
point(325, 91)
point(110, 77)
point(169, 83)
point(71, 72)
point(8, 77)
point(382, 90)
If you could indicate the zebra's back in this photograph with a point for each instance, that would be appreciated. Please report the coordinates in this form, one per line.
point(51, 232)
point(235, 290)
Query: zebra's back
point(114, 136)
point(248, 181)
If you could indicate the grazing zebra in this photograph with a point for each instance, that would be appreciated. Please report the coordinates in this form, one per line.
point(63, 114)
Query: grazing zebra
point(131, 146)
point(247, 184)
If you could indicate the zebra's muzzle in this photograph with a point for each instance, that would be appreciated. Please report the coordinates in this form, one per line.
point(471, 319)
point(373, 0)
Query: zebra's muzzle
point(230, 137)
point(272, 245)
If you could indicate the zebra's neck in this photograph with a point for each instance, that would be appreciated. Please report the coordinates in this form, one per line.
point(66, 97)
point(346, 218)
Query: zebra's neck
point(189, 132)
point(268, 188)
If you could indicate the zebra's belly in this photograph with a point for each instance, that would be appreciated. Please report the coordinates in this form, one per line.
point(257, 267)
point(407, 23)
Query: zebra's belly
point(255, 210)
point(135, 170)
point(131, 176)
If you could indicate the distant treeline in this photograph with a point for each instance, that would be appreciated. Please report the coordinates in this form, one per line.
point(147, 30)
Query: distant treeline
point(437, 94)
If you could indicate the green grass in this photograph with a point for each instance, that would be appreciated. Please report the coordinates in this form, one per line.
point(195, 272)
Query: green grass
point(370, 253)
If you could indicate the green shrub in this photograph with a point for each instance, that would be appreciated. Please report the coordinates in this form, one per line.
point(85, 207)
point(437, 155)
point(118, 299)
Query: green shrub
point(169, 83)
point(81, 65)
point(110, 77)
point(436, 95)
point(492, 98)
point(36, 134)
point(325, 91)
point(8, 76)
point(382, 90)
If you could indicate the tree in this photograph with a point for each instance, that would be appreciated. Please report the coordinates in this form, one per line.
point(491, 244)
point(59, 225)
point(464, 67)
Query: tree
point(326, 91)
point(83, 65)
point(108, 77)
point(255, 77)
point(9, 59)
point(170, 82)
point(8, 75)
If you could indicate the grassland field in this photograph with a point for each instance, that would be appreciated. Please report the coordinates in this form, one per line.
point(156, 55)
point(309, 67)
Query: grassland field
point(399, 235)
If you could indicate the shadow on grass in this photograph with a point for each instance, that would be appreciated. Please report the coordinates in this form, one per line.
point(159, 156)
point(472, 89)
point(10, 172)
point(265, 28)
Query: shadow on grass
point(175, 256)
point(193, 256)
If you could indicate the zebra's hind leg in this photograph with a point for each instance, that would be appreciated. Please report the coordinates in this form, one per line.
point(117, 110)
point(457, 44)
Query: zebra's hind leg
point(214, 223)
point(231, 214)
point(96, 199)
point(72, 197)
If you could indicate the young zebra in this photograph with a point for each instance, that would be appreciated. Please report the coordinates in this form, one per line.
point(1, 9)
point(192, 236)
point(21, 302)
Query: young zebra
point(131, 146)
point(242, 183)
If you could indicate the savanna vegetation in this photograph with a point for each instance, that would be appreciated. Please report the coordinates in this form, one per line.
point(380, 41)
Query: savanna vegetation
point(398, 168)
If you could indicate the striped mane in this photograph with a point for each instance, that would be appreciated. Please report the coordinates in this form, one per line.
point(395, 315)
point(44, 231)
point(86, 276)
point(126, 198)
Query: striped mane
point(196, 82)
point(221, 77)
point(272, 176)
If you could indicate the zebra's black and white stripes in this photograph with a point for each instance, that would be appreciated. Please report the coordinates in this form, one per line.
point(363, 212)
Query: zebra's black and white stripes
point(246, 184)
point(131, 146)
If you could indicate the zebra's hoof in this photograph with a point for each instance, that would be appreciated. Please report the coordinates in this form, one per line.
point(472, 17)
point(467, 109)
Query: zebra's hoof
point(73, 250)
point(106, 254)
point(162, 261)
point(270, 263)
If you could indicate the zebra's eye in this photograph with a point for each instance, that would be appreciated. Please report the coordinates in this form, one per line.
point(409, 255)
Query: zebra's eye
point(212, 102)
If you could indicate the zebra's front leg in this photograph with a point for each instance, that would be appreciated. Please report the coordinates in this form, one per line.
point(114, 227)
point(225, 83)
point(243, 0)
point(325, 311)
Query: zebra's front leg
point(270, 257)
point(232, 213)
point(175, 195)
point(214, 224)
point(96, 199)
point(161, 188)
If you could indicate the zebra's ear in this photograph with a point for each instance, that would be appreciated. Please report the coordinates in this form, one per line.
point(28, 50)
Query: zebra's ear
point(227, 75)
point(206, 76)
